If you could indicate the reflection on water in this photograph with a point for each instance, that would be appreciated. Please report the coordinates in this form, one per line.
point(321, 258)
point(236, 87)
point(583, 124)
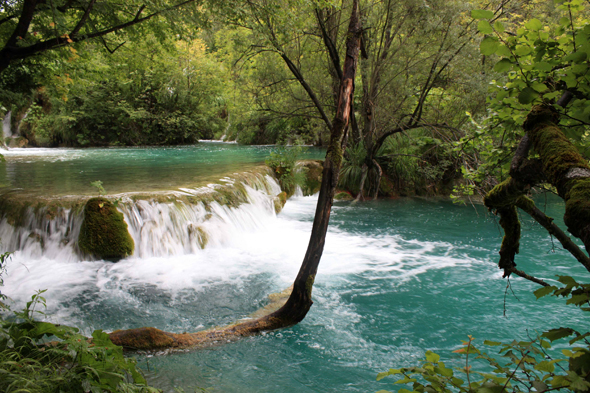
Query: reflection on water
point(63, 171)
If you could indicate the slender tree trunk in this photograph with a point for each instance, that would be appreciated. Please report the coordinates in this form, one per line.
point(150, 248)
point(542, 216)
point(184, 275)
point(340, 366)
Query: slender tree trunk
point(299, 301)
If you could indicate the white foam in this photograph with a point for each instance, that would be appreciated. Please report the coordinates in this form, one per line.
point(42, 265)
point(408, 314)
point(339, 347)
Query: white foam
point(250, 241)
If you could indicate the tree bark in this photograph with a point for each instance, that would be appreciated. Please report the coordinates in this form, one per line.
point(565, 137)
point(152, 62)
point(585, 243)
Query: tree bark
point(563, 167)
point(299, 301)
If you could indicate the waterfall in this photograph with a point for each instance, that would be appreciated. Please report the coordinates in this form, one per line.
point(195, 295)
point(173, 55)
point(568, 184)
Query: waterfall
point(226, 128)
point(180, 223)
point(6, 127)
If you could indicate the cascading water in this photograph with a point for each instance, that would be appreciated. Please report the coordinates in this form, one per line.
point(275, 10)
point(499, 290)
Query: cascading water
point(179, 226)
point(6, 125)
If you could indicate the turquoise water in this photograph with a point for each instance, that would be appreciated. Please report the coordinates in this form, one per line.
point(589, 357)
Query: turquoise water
point(397, 278)
point(402, 277)
point(64, 171)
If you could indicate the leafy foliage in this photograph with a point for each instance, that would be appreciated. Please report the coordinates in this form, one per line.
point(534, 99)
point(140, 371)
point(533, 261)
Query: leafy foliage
point(147, 100)
point(98, 185)
point(537, 60)
point(283, 162)
point(69, 362)
point(3, 260)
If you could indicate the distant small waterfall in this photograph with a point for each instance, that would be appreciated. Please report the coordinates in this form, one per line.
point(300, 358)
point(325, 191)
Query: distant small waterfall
point(184, 223)
point(6, 125)
point(226, 128)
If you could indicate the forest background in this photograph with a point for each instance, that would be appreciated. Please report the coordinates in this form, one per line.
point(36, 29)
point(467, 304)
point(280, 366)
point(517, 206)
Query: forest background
point(267, 72)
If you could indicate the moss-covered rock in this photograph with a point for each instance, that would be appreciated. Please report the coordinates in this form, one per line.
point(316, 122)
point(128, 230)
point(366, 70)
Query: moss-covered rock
point(104, 231)
point(343, 196)
point(313, 176)
point(279, 201)
point(199, 235)
point(17, 142)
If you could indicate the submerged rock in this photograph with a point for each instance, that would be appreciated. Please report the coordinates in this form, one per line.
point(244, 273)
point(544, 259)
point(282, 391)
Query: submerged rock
point(104, 232)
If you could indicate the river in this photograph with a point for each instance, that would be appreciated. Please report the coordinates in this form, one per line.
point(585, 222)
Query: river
point(398, 277)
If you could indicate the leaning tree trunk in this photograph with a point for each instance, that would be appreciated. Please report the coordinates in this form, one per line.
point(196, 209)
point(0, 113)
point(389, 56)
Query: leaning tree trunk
point(299, 302)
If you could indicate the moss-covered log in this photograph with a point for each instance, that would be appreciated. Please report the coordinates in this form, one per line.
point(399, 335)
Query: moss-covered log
point(564, 168)
point(104, 231)
point(527, 205)
point(561, 165)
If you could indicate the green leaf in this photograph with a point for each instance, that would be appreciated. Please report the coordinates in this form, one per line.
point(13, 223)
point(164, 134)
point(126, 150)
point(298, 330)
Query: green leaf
point(445, 372)
point(392, 371)
point(492, 343)
point(578, 299)
point(504, 51)
point(544, 291)
point(556, 334)
point(485, 27)
point(527, 95)
point(432, 357)
point(577, 57)
point(405, 380)
point(567, 280)
point(543, 66)
point(545, 366)
point(534, 25)
point(488, 46)
point(503, 65)
point(482, 14)
point(499, 26)
point(539, 87)
point(523, 50)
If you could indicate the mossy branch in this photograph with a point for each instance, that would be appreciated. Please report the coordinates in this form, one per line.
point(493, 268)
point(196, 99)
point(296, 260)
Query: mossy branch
point(564, 167)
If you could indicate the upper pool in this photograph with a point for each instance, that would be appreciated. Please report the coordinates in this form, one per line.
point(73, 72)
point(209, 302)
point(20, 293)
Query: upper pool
point(69, 171)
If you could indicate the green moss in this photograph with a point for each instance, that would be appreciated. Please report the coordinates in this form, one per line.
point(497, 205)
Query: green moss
point(343, 196)
point(313, 176)
point(198, 234)
point(504, 194)
point(143, 338)
point(15, 211)
point(557, 153)
point(104, 231)
point(511, 240)
point(279, 202)
point(577, 206)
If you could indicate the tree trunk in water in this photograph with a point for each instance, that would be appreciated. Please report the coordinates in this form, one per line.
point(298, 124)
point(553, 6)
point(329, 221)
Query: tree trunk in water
point(299, 301)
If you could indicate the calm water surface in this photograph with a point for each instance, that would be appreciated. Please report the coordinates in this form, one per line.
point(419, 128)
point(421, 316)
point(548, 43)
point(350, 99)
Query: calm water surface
point(69, 171)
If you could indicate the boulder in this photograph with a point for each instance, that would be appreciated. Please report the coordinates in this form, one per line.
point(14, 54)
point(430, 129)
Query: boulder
point(104, 232)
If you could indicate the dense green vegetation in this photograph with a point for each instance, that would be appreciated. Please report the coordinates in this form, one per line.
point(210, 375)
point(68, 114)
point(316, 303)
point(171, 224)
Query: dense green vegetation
point(44, 357)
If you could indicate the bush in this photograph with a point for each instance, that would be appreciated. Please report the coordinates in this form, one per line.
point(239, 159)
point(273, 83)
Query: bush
point(282, 161)
point(70, 362)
